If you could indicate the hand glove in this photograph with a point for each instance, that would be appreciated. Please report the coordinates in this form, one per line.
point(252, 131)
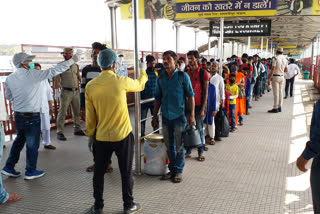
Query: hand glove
point(76, 57)
point(142, 65)
point(90, 143)
point(57, 95)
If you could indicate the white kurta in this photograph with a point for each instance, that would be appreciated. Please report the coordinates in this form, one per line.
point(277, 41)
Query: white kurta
point(46, 96)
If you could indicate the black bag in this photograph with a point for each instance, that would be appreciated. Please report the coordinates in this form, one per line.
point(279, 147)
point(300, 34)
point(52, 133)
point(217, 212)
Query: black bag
point(221, 122)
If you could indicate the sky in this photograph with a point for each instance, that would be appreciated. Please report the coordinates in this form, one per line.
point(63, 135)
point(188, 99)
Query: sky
point(80, 23)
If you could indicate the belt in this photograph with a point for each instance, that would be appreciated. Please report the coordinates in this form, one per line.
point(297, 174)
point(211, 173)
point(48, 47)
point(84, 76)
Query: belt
point(27, 113)
point(70, 89)
point(277, 75)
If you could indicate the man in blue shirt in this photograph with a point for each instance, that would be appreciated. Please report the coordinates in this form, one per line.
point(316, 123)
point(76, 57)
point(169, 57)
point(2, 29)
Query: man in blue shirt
point(170, 95)
point(312, 150)
point(148, 92)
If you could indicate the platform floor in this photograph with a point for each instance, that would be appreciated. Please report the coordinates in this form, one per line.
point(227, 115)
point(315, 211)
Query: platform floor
point(251, 172)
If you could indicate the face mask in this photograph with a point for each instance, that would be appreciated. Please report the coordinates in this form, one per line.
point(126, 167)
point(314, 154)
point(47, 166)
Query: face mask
point(233, 70)
point(232, 81)
point(67, 57)
point(244, 61)
point(182, 66)
point(31, 66)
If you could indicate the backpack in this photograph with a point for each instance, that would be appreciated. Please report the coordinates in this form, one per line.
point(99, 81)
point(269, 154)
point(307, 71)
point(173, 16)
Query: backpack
point(222, 123)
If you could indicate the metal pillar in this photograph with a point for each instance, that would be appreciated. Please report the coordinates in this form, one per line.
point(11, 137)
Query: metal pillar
point(261, 44)
point(178, 38)
point(238, 49)
point(267, 43)
point(136, 94)
point(232, 48)
point(271, 46)
point(249, 45)
point(113, 26)
point(221, 44)
point(209, 44)
point(196, 31)
point(153, 35)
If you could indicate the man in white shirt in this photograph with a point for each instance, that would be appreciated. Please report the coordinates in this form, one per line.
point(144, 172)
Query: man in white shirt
point(23, 88)
point(122, 70)
point(218, 82)
point(46, 110)
point(279, 67)
point(293, 71)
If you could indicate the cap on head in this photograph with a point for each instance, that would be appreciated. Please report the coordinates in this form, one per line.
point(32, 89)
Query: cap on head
point(21, 57)
point(67, 50)
point(106, 58)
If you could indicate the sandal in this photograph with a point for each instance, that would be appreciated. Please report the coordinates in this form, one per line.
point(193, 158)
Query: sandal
point(201, 158)
point(109, 169)
point(177, 178)
point(212, 141)
point(90, 168)
point(167, 176)
point(205, 148)
point(12, 198)
point(188, 155)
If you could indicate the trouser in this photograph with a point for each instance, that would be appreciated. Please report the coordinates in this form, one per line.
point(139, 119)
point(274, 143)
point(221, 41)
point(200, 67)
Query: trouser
point(251, 91)
point(289, 83)
point(315, 185)
point(28, 132)
point(263, 86)
point(232, 108)
point(172, 137)
point(124, 150)
point(45, 128)
point(277, 87)
point(199, 126)
point(67, 98)
point(247, 105)
point(210, 129)
point(144, 112)
point(3, 194)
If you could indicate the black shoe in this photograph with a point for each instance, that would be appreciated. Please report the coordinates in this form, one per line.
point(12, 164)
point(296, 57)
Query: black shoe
point(273, 111)
point(291, 96)
point(250, 107)
point(95, 211)
point(248, 113)
point(279, 109)
point(285, 97)
point(60, 136)
point(79, 133)
point(50, 147)
point(134, 209)
point(217, 138)
point(232, 129)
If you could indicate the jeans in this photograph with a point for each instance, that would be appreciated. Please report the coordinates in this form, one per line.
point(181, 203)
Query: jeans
point(232, 108)
point(247, 105)
point(199, 126)
point(277, 87)
point(315, 185)
point(172, 136)
point(3, 194)
point(28, 132)
point(263, 85)
point(289, 83)
point(251, 91)
point(124, 150)
point(144, 112)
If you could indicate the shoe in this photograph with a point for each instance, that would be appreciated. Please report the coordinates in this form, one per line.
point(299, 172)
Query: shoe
point(60, 136)
point(285, 97)
point(50, 147)
point(79, 133)
point(95, 211)
point(10, 172)
point(33, 175)
point(232, 129)
point(279, 109)
point(134, 209)
point(250, 107)
point(217, 138)
point(291, 96)
point(241, 123)
point(273, 111)
point(248, 113)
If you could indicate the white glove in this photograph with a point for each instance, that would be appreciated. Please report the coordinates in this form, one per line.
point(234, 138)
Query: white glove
point(76, 57)
point(142, 65)
point(90, 143)
point(57, 94)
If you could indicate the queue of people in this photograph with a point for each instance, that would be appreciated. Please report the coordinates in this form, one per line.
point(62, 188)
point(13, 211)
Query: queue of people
point(189, 94)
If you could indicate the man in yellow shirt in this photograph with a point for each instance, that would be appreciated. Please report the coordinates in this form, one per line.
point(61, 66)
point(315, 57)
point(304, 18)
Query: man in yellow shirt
point(109, 128)
point(233, 90)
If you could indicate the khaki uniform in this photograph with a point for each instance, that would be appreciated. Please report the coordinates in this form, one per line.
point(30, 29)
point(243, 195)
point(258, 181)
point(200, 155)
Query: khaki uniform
point(280, 63)
point(69, 95)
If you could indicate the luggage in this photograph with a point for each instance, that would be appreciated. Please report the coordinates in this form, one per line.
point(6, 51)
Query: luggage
point(222, 123)
point(191, 137)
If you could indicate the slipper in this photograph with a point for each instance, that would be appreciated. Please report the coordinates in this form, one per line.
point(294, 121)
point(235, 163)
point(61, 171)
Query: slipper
point(12, 198)
point(188, 155)
point(205, 148)
point(90, 168)
point(167, 176)
point(177, 178)
point(109, 169)
point(201, 158)
point(212, 141)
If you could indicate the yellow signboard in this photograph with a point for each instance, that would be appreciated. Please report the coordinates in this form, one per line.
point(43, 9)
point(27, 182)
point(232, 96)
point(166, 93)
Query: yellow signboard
point(127, 11)
point(316, 7)
point(287, 47)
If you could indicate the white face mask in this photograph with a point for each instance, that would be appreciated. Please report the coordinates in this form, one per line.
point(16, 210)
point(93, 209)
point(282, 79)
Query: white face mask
point(182, 66)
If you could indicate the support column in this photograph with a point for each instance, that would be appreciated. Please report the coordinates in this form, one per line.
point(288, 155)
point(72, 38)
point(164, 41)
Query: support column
point(249, 45)
point(232, 48)
point(271, 48)
point(137, 130)
point(178, 50)
point(196, 32)
point(221, 43)
point(209, 44)
point(261, 45)
point(267, 43)
point(153, 35)
point(238, 49)
point(113, 20)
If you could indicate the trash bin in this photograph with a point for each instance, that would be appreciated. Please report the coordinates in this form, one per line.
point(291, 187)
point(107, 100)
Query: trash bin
point(155, 155)
point(306, 75)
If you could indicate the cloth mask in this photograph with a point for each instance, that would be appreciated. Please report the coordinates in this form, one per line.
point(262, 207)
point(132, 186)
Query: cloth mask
point(244, 61)
point(182, 66)
point(232, 81)
point(31, 66)
point(67, 57)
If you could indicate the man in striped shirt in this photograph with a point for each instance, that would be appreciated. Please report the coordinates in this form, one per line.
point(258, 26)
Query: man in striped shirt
point(88, 73)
